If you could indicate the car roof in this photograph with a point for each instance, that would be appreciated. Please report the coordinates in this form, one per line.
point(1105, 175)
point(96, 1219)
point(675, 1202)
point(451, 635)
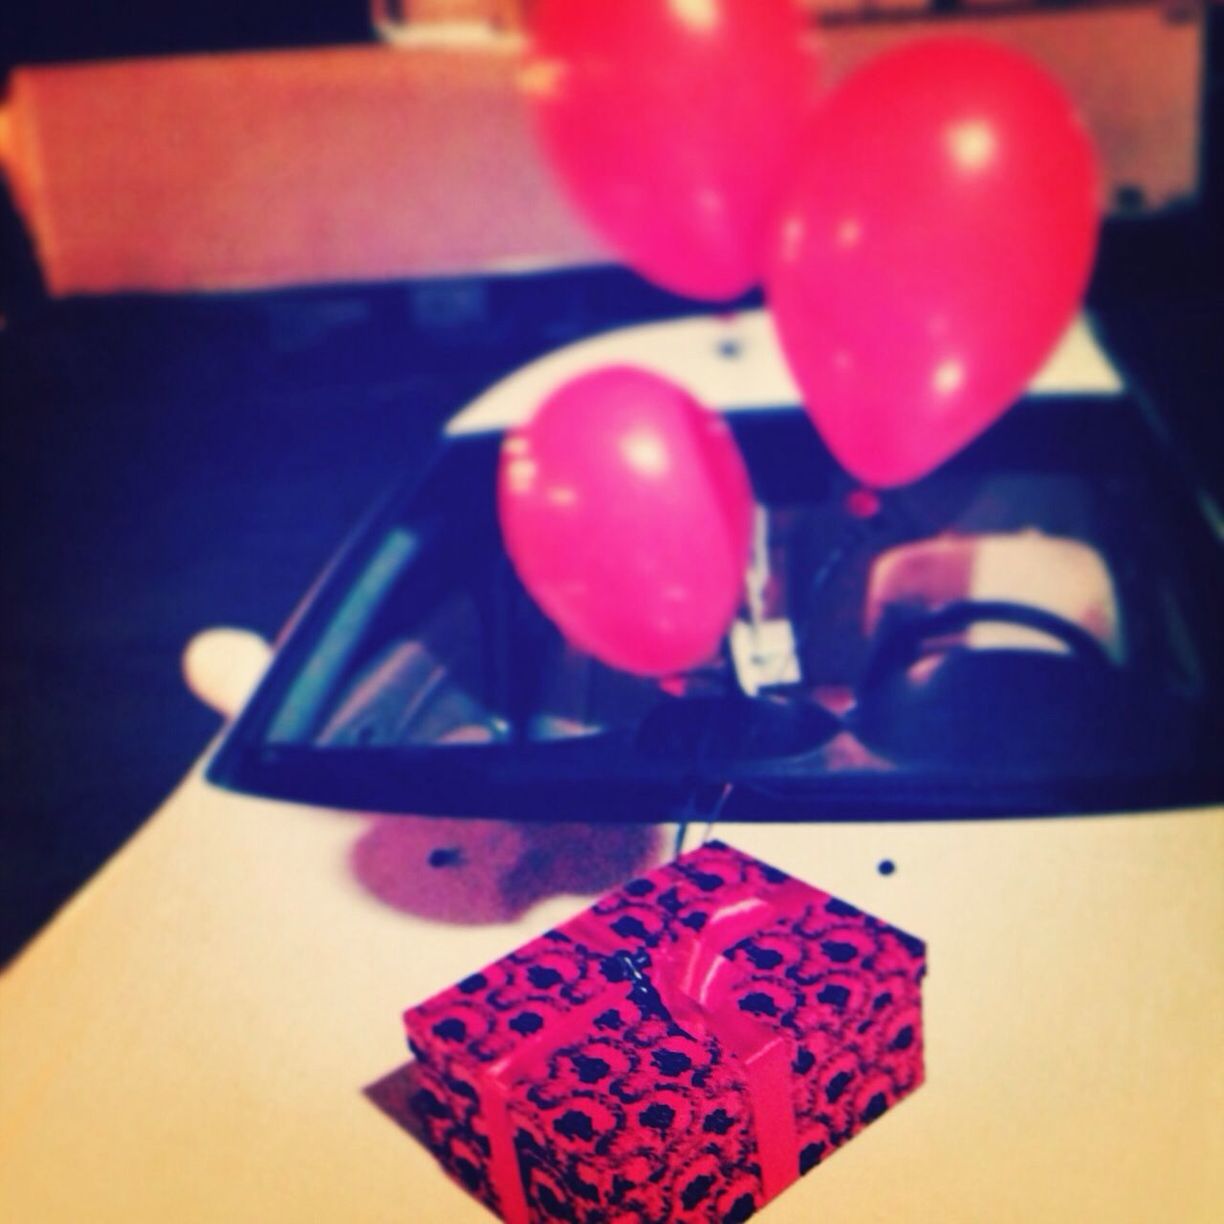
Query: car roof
point(733, 363)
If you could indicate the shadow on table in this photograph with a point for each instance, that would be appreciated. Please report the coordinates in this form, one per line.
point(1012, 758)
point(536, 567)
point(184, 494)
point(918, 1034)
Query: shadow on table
point(393, 1094)
point(486, 871)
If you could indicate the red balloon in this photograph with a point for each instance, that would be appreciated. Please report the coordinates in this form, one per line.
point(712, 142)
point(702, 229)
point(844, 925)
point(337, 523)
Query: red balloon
point(673, 124)
point(936, 243)
point(627, 512)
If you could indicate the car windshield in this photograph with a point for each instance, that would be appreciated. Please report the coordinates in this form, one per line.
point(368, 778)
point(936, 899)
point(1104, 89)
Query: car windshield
point(1008, 634)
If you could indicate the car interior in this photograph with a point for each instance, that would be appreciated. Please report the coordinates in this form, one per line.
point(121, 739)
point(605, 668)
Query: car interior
point(1007, 622)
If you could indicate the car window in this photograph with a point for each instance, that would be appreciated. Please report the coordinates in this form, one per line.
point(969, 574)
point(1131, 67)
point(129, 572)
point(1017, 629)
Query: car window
point(1015, 616)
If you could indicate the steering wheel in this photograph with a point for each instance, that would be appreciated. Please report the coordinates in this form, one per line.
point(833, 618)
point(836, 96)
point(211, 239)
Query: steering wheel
point(903, 642)
point(1006, 709)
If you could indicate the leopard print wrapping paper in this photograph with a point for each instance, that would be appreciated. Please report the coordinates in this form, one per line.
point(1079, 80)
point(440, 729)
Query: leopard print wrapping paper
point(680, 1051)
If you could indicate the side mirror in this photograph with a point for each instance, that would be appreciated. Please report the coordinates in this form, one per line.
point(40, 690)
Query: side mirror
point(223, 666)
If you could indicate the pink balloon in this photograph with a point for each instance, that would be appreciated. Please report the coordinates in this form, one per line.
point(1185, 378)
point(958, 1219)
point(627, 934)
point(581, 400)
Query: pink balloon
point(935, 245)
point(673, 123)
point(627, 511)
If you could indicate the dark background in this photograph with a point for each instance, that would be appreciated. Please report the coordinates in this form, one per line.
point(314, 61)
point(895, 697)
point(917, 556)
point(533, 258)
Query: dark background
point(172, 463)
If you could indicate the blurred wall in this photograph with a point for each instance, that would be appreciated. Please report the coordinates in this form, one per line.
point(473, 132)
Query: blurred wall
point(368, 163)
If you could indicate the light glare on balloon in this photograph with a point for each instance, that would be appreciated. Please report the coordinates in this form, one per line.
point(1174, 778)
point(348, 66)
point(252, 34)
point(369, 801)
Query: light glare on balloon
point(849, 232)
point(973, 144)
point(701, 16)
point(645, 453)
point(948, 378)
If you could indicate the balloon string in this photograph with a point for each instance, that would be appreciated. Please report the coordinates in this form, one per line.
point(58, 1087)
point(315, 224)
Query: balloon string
point(711, 820)
point(681, 834)
point(851, 536)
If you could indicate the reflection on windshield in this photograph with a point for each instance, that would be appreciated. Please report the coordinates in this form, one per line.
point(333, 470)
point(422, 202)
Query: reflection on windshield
point(423, 689)
point(343, 638)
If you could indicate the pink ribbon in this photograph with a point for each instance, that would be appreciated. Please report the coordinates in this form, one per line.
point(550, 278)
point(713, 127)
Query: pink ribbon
point(688, 982)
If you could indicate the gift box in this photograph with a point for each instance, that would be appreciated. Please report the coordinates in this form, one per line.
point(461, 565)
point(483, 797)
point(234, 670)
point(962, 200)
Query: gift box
point(681, 1051)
